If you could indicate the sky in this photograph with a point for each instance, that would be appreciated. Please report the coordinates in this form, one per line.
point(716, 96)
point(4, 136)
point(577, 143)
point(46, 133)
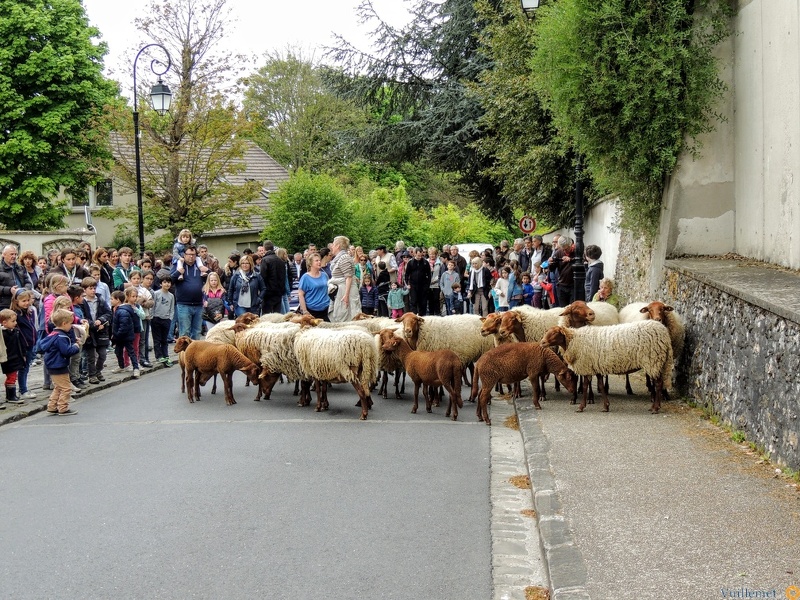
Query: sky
point(256, 26)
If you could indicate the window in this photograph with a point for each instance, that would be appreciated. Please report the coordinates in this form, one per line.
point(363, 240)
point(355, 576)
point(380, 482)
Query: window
point(104, 193)
point(79, 197)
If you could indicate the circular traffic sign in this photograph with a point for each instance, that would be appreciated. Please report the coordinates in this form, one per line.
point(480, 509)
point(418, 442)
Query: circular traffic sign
point(527, 224)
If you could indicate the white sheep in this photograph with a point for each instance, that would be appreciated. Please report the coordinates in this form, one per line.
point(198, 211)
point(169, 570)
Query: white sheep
point(660, 312)
point(272, 347)
point(616, 350)
point(533, 322)
point(331, 355)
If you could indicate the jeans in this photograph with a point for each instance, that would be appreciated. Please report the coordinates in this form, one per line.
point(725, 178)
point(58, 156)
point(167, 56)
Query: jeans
point(160, 328)
point(190, 320)
point(23, 372)
point(238, 311)
point(95, 358)
point(144, 342)
point(119, 349)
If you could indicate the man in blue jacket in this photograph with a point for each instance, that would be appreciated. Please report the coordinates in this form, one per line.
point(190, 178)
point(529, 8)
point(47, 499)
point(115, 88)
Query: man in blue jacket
point(188, 283)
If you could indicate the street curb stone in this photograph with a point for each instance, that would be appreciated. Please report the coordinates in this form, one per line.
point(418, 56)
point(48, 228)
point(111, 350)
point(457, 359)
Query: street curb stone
point(566, 567)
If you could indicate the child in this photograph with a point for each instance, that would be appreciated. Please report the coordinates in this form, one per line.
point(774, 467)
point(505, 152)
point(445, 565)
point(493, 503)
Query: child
point(184, 239)
point(15, 351)
point(126, 326)
point(98, 314)
point(369, 296)
point(141, 282)
point(26, 323)
point(457, 299)
point(446, 281)
point(75, 371)
point(538, 290)
point(102, 290)
point(58, 348)
point(529, 290)
point(163, 313)
point(501, 287)
point(394, 301)
point(548, 286)
point(382, 283)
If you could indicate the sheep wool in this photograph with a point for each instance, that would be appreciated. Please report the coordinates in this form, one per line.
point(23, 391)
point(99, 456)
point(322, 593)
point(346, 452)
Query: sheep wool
point(337, 355)
point(459, 333)
point(672, 321)
point(272, 345)
point(619, 349)
point(536, 321)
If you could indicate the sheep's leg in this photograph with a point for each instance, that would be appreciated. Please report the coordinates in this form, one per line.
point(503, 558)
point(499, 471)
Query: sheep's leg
point(324, 385)
point(214, 387)
point(363, 395)
point(190, 385)
point(183, 378)
point(305, 393)
point(483, 402)
point(658, 388)
point(416, 398)
point(602, 388)
point(428, 392)
point(318, 390)
point(296, 388)
point(227, 384)
point(269, 383)
point(628, 387)
point(402, 386)
point(585, 393)
point(606, 384)
point(382, 389)
point(591, 390)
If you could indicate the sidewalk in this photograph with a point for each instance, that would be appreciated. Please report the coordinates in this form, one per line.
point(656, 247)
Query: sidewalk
point(15, 412)
point(634, 505)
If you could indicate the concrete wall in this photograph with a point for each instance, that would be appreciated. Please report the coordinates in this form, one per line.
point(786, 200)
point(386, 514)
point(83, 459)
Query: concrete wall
point(40, 242)
point(743, 194)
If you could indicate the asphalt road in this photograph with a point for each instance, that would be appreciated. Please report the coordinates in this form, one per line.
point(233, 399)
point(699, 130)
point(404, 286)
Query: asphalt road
point(143, 495)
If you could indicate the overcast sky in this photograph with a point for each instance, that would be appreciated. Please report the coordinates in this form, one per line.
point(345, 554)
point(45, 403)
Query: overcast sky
point(257, 26)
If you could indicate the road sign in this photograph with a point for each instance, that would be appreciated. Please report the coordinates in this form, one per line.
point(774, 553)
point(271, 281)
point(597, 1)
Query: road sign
point(527, 224)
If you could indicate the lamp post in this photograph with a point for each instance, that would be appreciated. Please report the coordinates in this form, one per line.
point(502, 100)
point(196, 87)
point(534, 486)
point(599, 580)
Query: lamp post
point(578, 268)
point(160, 100)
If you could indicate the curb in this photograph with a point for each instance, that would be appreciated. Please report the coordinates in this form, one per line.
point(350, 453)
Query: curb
point(563, 559)
point(37, 405)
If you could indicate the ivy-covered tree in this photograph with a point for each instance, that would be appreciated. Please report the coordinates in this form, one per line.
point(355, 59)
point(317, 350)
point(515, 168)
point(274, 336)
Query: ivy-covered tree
point(52, 92)
point(190, 155)
point(631, 84)
point(415, 86)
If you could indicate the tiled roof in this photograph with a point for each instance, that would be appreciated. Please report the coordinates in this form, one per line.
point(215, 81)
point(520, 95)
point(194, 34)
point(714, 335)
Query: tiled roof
point(259, 166)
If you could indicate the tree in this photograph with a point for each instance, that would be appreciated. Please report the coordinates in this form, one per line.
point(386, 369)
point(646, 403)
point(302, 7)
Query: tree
point(525, 155)
point(189, 155)
point(51, 94)
point(415, 86)
point(297, 119)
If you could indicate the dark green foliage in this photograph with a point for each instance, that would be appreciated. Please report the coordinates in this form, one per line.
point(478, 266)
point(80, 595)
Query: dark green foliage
point(631, 83)
point(51, 93)
point(415, 86)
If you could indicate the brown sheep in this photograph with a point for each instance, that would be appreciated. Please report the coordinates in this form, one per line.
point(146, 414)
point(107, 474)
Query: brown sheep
point(438, 367)
point(205, 359)
point(180, 346)
point(511, 363)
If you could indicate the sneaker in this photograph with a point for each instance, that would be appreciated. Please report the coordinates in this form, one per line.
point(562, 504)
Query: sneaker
point(37, 362)
point(136, 373)
point(76, 389)
point(168, 362)
point(94, 380)
point(52, 412)
point(16, 401)
point(78, 384)
point(100, 377)
point(146, 364)
point(119, 369)
point(28, 395)
point(68, 412)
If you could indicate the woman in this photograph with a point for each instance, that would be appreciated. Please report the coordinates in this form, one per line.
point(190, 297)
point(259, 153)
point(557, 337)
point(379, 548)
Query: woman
point(362, 265)
point(106, 270)
point(214, 300)
point(28, 260)
point(246, 289)
point(312, 291)
point(435, 292)
point(346, 304)
point(113, 260)
point(230, 269)
point(514, 284)
point(325, 257)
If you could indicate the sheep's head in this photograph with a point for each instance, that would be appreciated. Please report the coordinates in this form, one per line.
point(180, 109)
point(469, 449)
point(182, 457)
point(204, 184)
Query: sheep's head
point(555, 336)
point(182, 343)
point(491, 324)
point(253, 372)
point(578, 314)
point(511, 324)
point(568, 379)
point(411, 324)
point(657, 311)
point(388, 340)
point(305, 320)
point(363, 317)
point(246, 319)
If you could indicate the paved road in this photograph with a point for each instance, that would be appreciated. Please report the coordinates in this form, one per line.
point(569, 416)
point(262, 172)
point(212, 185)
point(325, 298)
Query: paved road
point(144, 495)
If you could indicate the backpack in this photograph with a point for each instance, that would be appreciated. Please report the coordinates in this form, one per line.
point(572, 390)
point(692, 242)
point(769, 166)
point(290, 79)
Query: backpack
point(214, 310)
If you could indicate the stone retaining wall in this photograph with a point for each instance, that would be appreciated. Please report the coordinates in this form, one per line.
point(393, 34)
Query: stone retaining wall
point(740, 359)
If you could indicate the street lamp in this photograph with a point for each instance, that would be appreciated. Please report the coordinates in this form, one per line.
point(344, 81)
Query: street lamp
point(160, 99)
point(578, 268)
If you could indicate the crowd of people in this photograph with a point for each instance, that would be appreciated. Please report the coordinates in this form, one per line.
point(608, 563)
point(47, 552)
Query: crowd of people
point(136, 306)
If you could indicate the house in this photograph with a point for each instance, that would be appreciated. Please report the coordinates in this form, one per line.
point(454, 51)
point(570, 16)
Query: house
point(259, 166)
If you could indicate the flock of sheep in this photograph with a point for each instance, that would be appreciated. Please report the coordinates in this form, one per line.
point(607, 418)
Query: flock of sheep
point(579, 341)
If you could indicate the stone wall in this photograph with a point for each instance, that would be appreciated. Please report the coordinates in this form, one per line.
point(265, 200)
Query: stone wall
point(740, 359)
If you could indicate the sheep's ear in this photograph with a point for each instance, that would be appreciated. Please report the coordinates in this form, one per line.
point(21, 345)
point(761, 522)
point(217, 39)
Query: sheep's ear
point(668, 308)
point(483, 319)
point(643, 310)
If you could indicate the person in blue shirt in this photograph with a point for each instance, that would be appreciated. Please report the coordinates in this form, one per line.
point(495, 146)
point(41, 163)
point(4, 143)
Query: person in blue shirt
point(59, 347)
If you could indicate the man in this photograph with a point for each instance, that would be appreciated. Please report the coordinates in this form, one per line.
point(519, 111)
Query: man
point(273, 272)
point(514, 254)
point(418, 278)
point(188, 284)
point(540, 251)
point(122, 272)
point(13, 276)
point(445, 254)
point(389, 260)
point(204, 255)
point(564, 283)
point(461, 265)
point(298, 267)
